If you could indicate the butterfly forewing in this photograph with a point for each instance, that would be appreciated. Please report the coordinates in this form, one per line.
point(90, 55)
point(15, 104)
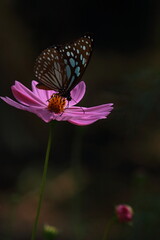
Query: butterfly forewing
point(50, 69)
point(76, 56)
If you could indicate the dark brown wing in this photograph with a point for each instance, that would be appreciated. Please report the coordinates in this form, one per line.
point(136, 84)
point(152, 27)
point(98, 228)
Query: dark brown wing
point(50, 70)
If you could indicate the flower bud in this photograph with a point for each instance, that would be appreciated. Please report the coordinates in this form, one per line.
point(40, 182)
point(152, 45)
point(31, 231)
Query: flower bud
point(124, 213)
point(49, 232)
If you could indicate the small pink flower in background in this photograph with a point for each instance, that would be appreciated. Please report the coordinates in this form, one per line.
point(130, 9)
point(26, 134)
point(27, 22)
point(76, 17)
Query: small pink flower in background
point(39, 102)
point(124, 213)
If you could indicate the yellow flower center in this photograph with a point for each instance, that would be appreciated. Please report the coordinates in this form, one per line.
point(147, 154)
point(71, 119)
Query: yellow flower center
point(57, 103)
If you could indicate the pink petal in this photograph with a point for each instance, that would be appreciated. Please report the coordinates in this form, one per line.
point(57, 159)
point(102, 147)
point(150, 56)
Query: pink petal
point(25, 96)
point(63, 117)
point(19, 86)
point(83, 122)
point(77, 93)
point(86, 116)
point(47, 116)
point(25, 91)
point(43, 94)
point(43, 113)
point(101, 110)
point(13, 103)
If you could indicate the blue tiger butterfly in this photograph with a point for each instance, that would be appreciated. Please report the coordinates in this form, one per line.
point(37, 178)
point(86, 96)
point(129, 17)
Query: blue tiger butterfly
point(60, 68)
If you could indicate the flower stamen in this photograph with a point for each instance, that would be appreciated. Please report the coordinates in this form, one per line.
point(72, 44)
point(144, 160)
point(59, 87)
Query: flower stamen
point(57, 103)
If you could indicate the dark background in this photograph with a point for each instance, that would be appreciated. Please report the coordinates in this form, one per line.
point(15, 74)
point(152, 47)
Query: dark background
point(95, 167)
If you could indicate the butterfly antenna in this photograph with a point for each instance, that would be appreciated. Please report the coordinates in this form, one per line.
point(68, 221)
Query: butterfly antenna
point(76, 103)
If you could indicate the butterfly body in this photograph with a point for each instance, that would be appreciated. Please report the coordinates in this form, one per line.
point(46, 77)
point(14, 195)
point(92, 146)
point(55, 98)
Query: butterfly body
point(65, 94)
point(60, 68)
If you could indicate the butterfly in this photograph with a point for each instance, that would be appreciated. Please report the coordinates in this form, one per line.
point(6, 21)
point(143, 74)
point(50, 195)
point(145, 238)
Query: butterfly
point(60, 68)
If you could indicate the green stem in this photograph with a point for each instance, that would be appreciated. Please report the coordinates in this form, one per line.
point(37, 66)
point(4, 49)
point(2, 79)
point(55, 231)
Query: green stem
point(42, 187)
point(108, 228)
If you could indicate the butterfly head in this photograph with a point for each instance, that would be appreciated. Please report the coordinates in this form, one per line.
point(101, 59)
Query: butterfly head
point(65, 94)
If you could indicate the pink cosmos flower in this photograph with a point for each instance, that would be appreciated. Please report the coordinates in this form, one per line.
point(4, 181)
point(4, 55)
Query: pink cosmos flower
point(124, 213)
point(40, 102)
